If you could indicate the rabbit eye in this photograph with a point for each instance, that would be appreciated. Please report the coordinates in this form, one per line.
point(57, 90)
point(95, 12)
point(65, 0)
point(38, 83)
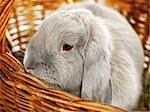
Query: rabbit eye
point(67, 47)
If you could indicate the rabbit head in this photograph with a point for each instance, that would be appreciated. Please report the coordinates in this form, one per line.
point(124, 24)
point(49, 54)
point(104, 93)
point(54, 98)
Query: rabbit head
point(71, 51)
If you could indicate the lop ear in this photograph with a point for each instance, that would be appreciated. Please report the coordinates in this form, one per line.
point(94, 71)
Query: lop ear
point(96, 77)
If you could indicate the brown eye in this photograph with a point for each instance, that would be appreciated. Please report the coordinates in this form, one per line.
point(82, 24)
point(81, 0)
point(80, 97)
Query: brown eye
point(67, 47)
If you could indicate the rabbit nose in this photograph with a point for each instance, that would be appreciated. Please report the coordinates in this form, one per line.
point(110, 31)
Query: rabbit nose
point(29, 67)
point(28, 70)
point(29, 64)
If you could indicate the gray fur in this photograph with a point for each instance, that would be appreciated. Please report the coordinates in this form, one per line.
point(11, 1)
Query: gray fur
point(105, 48)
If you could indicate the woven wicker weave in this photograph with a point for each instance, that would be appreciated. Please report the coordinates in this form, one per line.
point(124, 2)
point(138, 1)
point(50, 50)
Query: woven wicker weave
point(20, 91)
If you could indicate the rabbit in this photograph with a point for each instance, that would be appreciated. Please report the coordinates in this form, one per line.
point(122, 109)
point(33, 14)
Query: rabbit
point(91, 51)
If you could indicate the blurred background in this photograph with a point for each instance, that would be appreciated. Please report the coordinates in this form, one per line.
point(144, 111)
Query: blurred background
point(28, 14)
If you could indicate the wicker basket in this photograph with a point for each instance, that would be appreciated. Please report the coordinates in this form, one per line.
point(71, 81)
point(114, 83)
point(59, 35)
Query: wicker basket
point(20, 91)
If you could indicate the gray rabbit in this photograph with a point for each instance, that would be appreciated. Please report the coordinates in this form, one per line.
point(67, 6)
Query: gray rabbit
point(91, 51)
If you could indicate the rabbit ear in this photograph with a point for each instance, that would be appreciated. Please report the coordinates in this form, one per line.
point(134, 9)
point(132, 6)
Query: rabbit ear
point(97, 53)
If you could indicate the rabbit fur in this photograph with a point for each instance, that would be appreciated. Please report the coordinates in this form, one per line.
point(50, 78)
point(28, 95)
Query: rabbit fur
point(106, 62)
